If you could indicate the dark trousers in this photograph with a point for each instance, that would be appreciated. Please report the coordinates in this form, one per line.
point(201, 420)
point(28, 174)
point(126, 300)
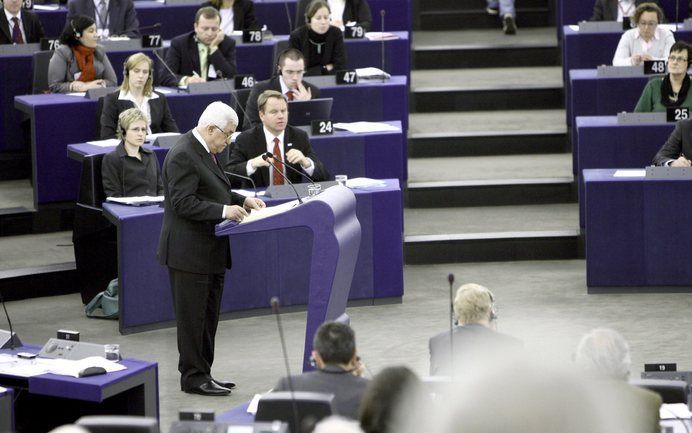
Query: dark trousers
point(197, 301)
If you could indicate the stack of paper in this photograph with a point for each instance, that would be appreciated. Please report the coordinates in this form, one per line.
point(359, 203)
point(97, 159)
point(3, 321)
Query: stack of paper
point(360, 127)
point(136, 201)
point(380, 36)
point(110, 142)
point(372, 74)
point(675, 411)
point(365, 182)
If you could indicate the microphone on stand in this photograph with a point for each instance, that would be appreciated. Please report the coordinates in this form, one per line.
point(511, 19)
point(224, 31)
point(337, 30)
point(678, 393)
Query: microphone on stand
point(151, 27)
point(271, 155)
point(275, 309)
point(170, 71)
point(13, 337)
point(450, 279)
point(243, 177)
point(266, 158)
point(384, 76)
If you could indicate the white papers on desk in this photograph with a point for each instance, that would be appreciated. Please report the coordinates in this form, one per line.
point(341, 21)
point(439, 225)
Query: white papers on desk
point(66, 367)
point(672, 27)
point(13, 366)
point(136, 201)
point(361, 127)
point(574, 27)
point(256, 215)
point(78, 94)
point(630, 173)
point(675, 411)
point(164, 90)
point(110, 142)
point(153, 137)
point(380, 36)
point(372, 74)
point(365, 182)
point(47, 7)
point(248, 193)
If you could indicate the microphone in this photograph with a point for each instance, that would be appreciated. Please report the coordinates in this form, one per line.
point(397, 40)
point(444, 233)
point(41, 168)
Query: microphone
point(243, 177)
point(288, 16)
point(274, 301)
point(170, 71)
point(266, 158)
point(450, 279)
point(12, 337)
point(382, 44)
point(677, 12)
point(271, 155)
point(151, 27)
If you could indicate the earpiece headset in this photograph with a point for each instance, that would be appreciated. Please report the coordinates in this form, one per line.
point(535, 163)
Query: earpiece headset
point(76, 33)
point(493, 313)
point(126, 72)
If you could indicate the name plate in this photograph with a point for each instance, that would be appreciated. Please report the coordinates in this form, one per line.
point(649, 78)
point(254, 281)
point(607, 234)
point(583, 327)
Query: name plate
point(218, 86)
point(321, 127)
point(654, 67)
point(675, 114)
point(641, 118)
point(669, 172)
point(348, 76)
point(252, 36)
point(244, 81)
point(609, 71)
point(354, 32)
point(19, 49)
point(661, 367)
point(600, 27)
point(95, 94)
point(125, 45)
point(49, 44)
point(152, 41)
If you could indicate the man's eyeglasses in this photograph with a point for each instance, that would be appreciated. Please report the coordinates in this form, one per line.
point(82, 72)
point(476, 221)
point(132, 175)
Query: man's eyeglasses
point(672, 59)
point(293, 73)
point(228, 136)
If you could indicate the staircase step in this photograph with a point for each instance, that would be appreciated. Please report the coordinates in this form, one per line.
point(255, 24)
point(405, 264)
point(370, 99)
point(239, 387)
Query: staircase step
point(486, 143)
point(488, 122)
point(14, 165)
point(471, 4)
point(18, 216)
point(446, 19)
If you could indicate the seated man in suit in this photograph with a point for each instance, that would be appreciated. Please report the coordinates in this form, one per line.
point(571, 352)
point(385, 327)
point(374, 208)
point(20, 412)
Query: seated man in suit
point(475, 337)
point(289, 81)
point(338, 369)
point(201, 55)
point(113, 17)
point(677, 150)
point(287, 144)
point(19, 26)
point(604, 355)
point(615, 10)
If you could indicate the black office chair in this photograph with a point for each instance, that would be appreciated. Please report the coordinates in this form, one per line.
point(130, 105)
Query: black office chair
point(118, 424)
point(41, 59)
point(301, 5)
point(159, 69)
point(311, 407)
point(671, 391)
point(242, 96)
point(278, 49)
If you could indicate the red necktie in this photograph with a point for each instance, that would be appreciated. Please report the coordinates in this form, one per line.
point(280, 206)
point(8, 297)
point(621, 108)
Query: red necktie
point(289, 95)
point(277, 179)
point(16, 32)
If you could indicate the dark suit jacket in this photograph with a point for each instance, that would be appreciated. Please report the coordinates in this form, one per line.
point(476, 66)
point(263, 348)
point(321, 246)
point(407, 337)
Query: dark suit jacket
point(195, 191)
point(334, 51)
point(471, 342)
point(251, 143)
point(243, 14)
point(252, 113)
point(348, 389)
point(354, 10)
point(183, 58)
point(32, 28)
point(607, 10)
point(679, 141)
point(122, 17)
point(161, 117)
point(126, 177)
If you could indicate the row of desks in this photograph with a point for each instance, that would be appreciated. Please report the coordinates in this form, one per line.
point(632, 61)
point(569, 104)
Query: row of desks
point(16, 70)
point(271, 13)
point(56, 180)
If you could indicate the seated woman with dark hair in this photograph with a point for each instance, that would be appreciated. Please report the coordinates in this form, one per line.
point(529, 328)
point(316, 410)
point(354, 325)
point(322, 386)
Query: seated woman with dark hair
point(235, 14)
point(137, 91)
point(673, 90)
point(131, 170)
point(321, 43)
point(384, 397)
point(79, 64)
point(355, 12)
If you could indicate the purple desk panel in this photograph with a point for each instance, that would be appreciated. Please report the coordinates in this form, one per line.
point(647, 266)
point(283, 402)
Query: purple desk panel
point(602, 143)
point(264, 264)
point(56, 180)
point(6, 410)
point(15, 70)
point(638, 232)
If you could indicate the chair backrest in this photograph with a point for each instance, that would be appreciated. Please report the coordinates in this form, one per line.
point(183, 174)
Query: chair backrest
point(278, 49)
point(159, 69)
point(41, 60)
point(671, 391)
point(311, 407)
point(118, 424)
point(301, 6)
point(91, 182)
point(242, 95)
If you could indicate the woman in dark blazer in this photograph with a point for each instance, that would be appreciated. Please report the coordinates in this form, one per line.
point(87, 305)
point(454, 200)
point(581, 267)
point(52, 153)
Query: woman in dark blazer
point(243, 14)
point(355, 11)
point(131, 170)
point(137, 92)
point(321, 43)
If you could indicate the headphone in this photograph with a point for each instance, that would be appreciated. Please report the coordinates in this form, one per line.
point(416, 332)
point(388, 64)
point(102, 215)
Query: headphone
point(126, 72)
point(76, 33)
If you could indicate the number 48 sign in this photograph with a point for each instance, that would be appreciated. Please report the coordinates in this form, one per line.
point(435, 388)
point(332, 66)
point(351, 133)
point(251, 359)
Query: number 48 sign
point(654, 67)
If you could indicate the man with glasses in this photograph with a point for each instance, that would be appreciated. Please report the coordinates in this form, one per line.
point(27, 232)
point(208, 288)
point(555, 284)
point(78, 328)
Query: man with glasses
point(288, 81)
point(204, 54)
point(197, 197)
point(647, 41)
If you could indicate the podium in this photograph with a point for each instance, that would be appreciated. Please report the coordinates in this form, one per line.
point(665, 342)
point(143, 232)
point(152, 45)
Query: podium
point(331, 219)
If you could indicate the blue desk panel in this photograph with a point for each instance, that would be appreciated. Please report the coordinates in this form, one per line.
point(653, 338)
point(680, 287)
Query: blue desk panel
point(6, 410)
point(55, 179)
point(638, 232)
point(264, 264)
point(602, 143)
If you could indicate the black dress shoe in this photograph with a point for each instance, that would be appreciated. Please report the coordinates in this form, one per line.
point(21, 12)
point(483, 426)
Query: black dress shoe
point(223, 383)
point(209, 388)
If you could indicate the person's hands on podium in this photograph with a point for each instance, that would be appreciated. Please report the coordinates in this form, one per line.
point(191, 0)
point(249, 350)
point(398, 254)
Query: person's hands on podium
point(235, 212)
point(295, 156)
point(681, 162)
point(253, 203)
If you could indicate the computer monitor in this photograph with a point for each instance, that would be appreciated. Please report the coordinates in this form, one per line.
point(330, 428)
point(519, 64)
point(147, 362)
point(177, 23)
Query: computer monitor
point(311, 407)
point(302, 113)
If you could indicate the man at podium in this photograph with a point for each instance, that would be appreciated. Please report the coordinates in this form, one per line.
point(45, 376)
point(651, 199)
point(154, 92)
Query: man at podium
point(197, 197)
point(287, 144)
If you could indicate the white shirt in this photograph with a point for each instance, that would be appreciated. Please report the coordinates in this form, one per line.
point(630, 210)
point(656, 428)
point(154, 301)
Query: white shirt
point(11, 23)
point(101, 27)
point(144, 108)
point(284, 88)
point(631, 43)
point(337, 7)
point(227, 21)
point(269, 139)
point(627, 6)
